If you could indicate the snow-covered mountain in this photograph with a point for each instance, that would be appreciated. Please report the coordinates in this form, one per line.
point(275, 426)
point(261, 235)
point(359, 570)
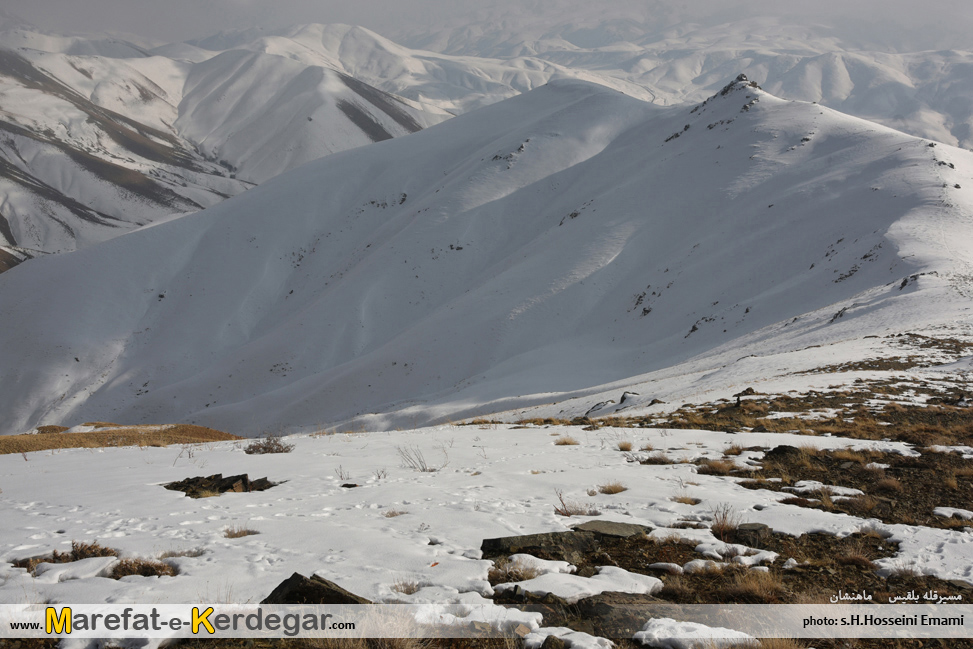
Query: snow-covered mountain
point(101, 136)
point(523, 253)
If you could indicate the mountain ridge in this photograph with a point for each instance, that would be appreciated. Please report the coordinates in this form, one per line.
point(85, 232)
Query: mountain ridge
point(564, 239)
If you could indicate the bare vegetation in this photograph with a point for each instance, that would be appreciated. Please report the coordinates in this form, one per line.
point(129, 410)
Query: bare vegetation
point(238, 531)
point(505, 570)
point(613, 487)
point(573, 508)
point(566, 440)
point(268, 444)
point(142, 567)
point(51, 438)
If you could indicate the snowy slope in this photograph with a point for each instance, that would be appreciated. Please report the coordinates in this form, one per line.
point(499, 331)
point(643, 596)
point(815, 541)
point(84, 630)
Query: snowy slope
point(100, 137)
point(529, 251)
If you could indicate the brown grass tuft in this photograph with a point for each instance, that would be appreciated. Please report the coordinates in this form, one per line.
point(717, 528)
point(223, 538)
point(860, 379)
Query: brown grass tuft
point(566, 440)
point(613, 487)
point(238, 531)
point(715, 467)
point(143, 567)
point(392, 513)
point(625, 446)
point(505, 571)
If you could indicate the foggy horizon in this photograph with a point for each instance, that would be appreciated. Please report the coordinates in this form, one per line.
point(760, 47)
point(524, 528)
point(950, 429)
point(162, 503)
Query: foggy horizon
point(898, 25)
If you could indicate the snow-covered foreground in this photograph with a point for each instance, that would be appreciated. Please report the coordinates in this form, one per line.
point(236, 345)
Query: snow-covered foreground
point(398, 525)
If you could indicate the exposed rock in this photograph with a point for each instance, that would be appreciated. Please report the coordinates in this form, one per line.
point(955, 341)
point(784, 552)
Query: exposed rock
point(298, 589)
point(214, 485)
point(557, 546)
point(751, 533)
point(782, 452)
point(616, 615)
point(609, 528)
point(553, 642)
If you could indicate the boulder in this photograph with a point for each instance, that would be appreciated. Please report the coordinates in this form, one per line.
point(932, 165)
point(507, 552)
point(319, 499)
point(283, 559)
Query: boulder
point(298, 589)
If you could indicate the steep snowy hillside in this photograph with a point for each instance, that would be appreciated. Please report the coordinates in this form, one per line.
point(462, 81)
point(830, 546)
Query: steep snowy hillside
point(99, 137)
point(531, 250)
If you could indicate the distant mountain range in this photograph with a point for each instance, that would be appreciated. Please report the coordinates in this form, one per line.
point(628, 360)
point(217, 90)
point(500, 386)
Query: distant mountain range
point(538, 249)
point(99, 136)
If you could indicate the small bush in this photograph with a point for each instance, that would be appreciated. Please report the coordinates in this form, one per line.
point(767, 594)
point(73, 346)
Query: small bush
point(647, 447)
point(613, 487)
point(625, 447)
point(143, 567)
point(754, 586)
point(735, 449)
point(238, 531)
point(566, 440)
point(392, 513)
point(269, 444)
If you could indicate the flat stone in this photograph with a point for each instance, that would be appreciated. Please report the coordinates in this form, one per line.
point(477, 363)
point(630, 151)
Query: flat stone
point(557, 546)
point(298, 589)
point(609, 528)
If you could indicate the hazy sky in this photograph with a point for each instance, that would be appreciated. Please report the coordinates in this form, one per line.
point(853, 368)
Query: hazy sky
point(905, 24)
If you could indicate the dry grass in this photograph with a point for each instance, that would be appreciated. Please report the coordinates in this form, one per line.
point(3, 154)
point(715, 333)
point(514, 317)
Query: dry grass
point(505, 571)
point(647, 447)
point(733, 450)
point(406, 586)
point(238, 531)
point(657, 458)
point(715, 467)
point(754, 586)
point(124, 436)
point(950, 482)
point(267, 445)
point(625, 446)
point(392, 513)
point(848, 455)
point(686, 500)
point(889, 485)
point(142, 567)
point(566, 440)
point(725, 520)
point(572, 508)
point(78, 552)
point(613, 487)
point(172, 554)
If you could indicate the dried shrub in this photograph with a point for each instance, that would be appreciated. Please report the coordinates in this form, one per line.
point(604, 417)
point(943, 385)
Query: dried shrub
point(733, 450)
point(392, 513)
point(753, 587)
point(78, 552)
point(572, 508)
point(625, 446)
point(686, 500)
point(566, 440)
point(269, 444)
point(888, 485)
point(725, 520)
